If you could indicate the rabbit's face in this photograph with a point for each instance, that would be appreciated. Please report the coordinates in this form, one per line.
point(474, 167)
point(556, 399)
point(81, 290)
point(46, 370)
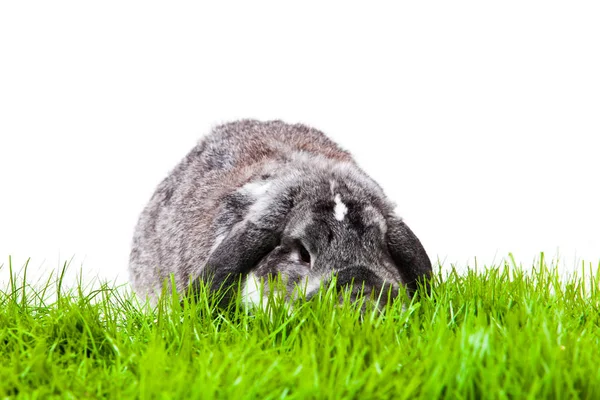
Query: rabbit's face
point(307, 226)
point(332, 230)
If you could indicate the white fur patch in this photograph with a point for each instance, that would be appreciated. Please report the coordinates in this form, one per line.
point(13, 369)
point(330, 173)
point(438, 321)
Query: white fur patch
point(253, 296)
point(312, 284)
point(256, 189)
point(252, 293)
point(340, 210)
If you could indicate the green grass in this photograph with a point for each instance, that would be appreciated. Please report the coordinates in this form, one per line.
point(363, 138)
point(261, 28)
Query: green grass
point(496, 333)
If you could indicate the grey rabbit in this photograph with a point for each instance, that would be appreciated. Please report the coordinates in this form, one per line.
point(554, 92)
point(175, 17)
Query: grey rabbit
point(254, 199)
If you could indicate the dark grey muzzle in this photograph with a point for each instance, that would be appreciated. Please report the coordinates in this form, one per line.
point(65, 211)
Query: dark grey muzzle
point(364, 282)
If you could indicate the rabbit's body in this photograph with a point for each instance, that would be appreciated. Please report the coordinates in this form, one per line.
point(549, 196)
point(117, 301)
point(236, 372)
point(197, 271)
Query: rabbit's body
point(259, 198)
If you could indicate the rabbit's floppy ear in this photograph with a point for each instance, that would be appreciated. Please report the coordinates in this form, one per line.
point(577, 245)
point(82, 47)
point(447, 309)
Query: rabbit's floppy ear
point(241, 250)
point(247, 243)
point(408, 254)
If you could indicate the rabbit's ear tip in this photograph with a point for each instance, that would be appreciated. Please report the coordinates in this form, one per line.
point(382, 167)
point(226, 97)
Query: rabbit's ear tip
point(408, 254)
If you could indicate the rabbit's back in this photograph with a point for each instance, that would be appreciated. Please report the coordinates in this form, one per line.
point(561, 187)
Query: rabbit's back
point(239, 144)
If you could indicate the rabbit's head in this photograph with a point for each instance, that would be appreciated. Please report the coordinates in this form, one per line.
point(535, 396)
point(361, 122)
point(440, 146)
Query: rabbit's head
point(307, 224)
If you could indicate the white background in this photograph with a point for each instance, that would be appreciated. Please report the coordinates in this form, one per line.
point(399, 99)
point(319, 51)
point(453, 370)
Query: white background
point(481, 121)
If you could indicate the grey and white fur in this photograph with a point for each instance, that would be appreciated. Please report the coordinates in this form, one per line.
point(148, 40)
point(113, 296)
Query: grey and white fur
point(254, 199)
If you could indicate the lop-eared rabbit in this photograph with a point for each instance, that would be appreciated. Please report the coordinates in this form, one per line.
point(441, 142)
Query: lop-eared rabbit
point(256, 199)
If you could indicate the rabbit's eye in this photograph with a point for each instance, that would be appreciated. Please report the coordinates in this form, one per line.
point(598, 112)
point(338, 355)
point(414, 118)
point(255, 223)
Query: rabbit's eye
point(304, 254)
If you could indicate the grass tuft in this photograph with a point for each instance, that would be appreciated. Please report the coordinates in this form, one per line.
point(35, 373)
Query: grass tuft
point(493, 333)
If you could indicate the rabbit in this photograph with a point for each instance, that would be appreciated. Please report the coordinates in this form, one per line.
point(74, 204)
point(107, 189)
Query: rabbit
point(255, 199)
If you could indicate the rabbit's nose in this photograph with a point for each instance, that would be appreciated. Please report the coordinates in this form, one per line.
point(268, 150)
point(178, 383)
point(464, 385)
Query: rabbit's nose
point(365, 282)
point(357, 276)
